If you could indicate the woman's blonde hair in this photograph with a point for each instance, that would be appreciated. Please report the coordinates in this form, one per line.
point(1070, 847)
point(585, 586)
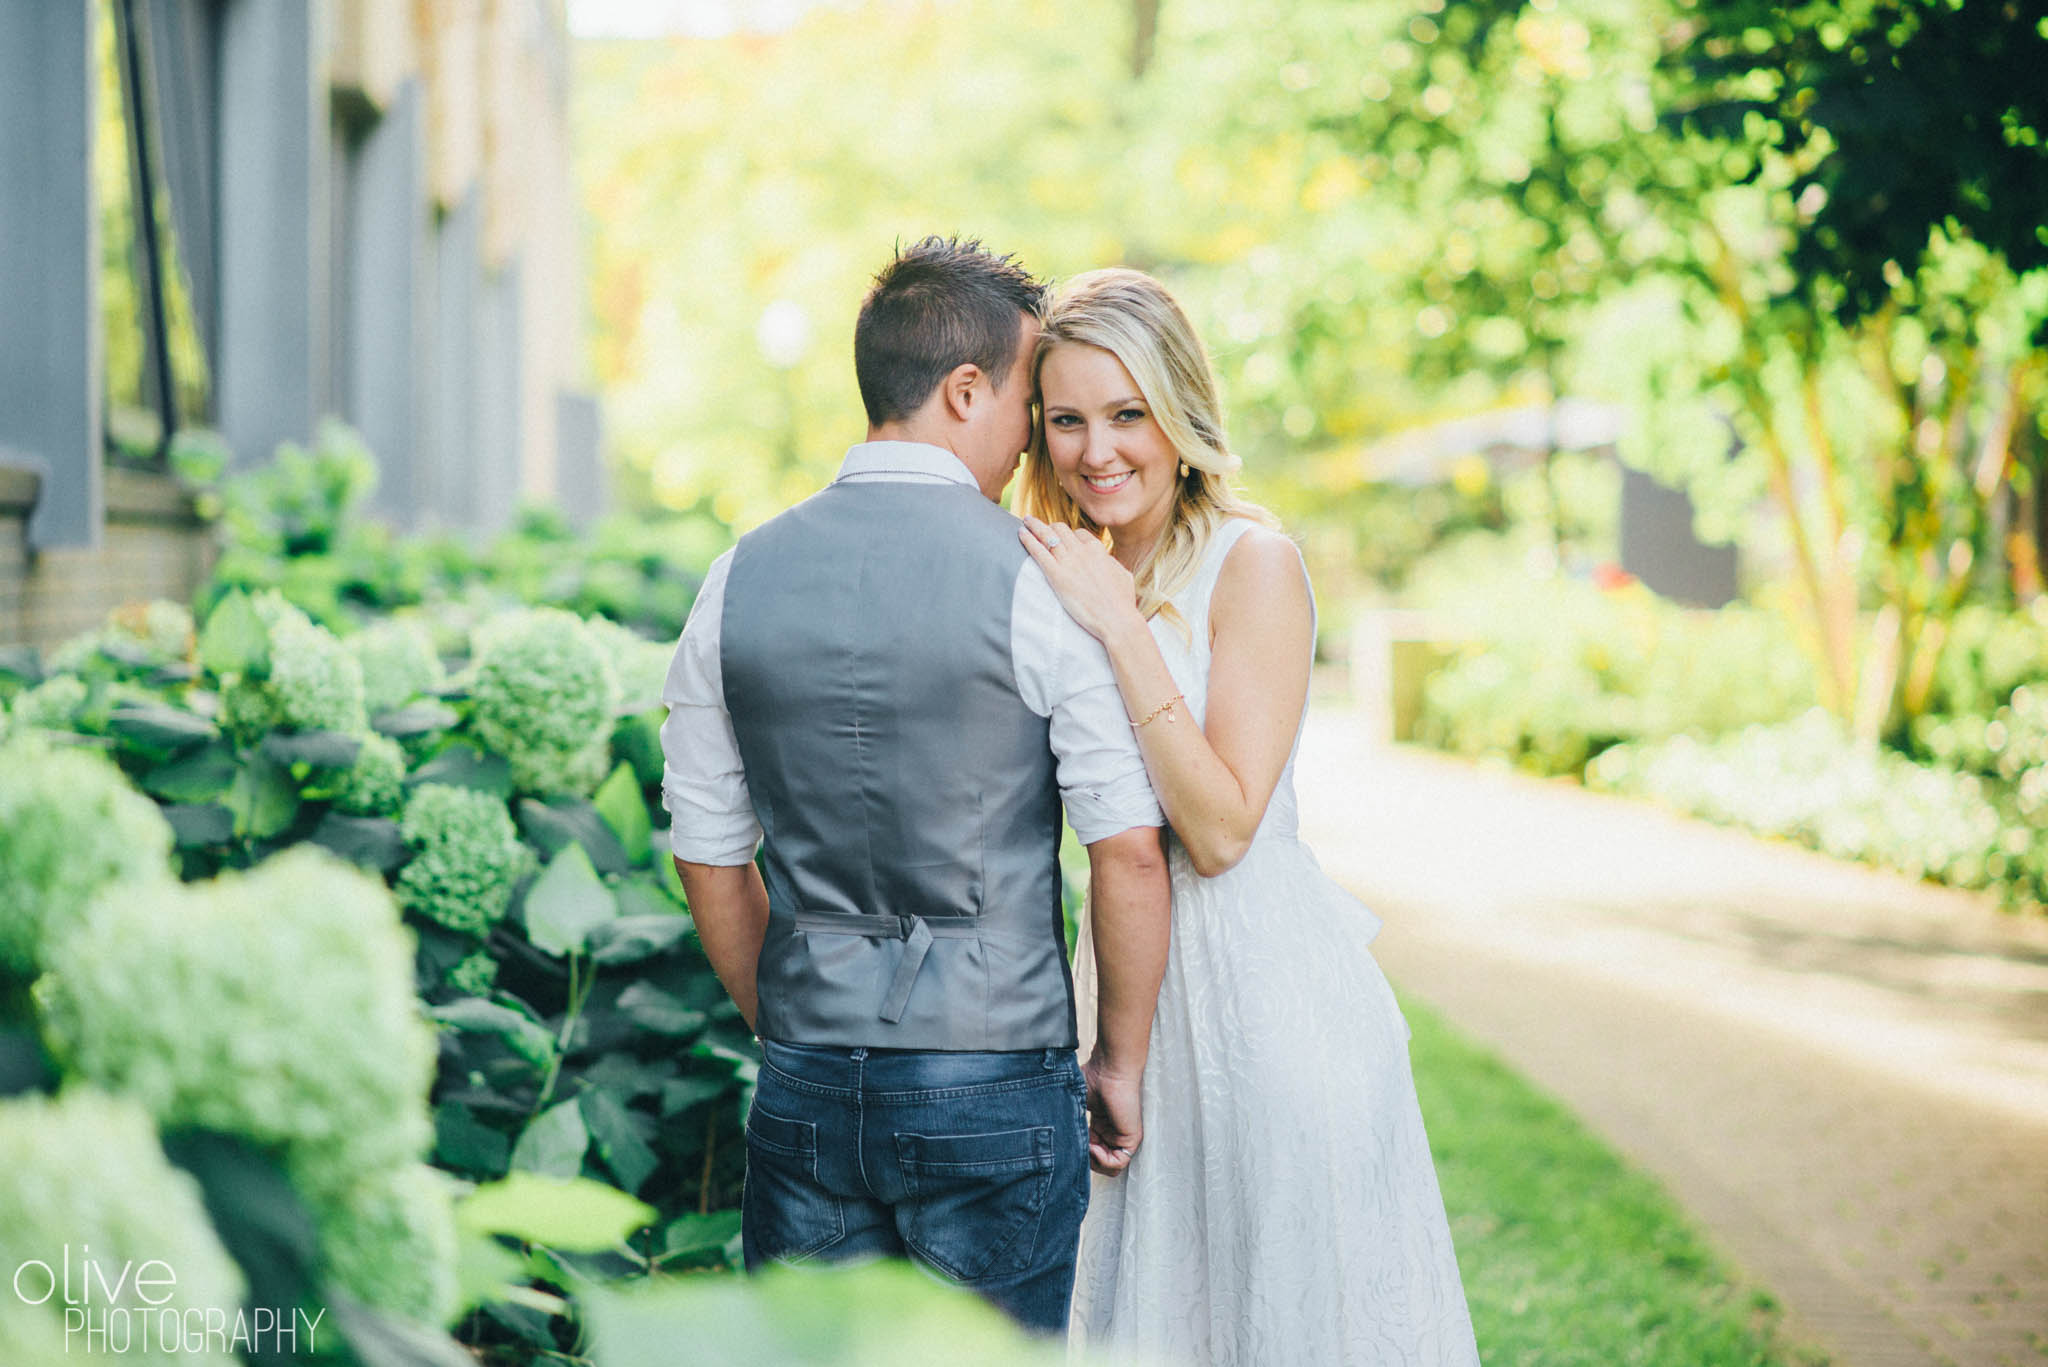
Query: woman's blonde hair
point(1131, 316)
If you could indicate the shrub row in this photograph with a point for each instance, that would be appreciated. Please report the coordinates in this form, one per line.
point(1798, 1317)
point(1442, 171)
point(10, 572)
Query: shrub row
point(1807, 780)
point(505, 800)
point(1554, 671)
point(1712, 712)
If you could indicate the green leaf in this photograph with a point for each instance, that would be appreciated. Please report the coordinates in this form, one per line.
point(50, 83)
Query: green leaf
point(485, 1270)
point(131, 654)
point(24, 1064)
point(665, 865)
point(234, 640)
point(571, 1213)
point(630, 939)
point(554, 1144)
point(623, 806)
point(566, 903)
point(466, 1144)
point(618, 1142)
point(637, 741)
point(464, 766)
point(699, 1233)
point(23, 664)
point(321, 749)
point(197, 776)
point(264, 799)
point(377, 1338)
point(662, 1012)
point(626, 1076)
point(372, 842)
point(884, 1311)
point(621, 803)
point(259, 1217)
point(684, 1092)
point(419, 719)
point(644, 895)
point(563, 821)
point(525, 1037)
point(196, 827)
point(157, 728)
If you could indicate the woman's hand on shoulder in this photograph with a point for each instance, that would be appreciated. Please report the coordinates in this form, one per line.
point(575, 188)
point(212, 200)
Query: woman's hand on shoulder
point(1095, 590)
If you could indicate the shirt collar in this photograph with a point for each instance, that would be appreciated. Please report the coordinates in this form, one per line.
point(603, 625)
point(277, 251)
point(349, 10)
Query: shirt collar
point(905, 458)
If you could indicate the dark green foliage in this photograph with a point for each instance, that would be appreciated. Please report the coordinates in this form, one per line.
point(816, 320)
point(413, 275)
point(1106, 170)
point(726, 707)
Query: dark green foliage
point(1909, 117)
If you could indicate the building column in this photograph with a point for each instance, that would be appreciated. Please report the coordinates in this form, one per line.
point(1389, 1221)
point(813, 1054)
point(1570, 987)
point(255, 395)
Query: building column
point(51, 357)
point(272, 370)
point(387, 228)
point(452, 400)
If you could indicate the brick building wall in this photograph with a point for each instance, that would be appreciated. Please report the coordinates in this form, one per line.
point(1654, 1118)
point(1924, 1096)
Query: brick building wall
point(154, 545)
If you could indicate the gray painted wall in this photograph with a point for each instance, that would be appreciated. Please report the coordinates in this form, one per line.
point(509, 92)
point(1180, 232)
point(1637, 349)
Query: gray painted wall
point(50, 351)
point(271, 370)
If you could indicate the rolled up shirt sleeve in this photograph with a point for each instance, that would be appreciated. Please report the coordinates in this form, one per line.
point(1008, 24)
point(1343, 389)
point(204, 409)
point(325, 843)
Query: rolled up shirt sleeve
point(1064, 675)
point(703, 785)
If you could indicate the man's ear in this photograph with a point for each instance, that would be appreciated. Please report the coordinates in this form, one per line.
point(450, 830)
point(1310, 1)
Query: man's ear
point(959, 388)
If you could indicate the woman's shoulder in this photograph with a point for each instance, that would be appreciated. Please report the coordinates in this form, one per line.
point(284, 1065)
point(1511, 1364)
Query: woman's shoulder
point(1262, 571)
point(1257, 551)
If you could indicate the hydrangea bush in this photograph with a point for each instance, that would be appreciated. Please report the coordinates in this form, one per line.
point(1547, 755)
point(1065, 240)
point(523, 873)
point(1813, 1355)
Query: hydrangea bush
point(467, 857)
point(308, 680)
point(86, 1177)
point(70, 825)
point(399, 663)
point(377, 832)
point(545, 697)
point(275, 1004)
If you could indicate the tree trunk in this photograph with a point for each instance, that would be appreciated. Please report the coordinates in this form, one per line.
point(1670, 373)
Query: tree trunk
point(1144, 34)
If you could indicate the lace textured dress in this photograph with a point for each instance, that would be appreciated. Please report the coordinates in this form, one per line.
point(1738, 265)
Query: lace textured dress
point(1283, 1207)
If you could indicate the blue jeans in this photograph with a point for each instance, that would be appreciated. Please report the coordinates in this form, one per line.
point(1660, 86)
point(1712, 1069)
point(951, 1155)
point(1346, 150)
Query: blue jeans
point(974, 1164)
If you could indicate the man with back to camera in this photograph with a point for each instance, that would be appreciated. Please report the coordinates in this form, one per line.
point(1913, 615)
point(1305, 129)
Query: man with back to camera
point(880, 686)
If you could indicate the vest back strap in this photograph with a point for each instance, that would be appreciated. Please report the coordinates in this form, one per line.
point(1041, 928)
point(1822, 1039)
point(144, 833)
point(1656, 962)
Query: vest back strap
point(915, 932)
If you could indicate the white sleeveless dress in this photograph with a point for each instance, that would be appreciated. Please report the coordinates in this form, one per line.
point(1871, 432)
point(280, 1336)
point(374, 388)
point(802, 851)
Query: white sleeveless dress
point(1283, 1208)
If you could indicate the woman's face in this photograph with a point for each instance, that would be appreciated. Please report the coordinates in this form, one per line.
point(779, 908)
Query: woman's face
point(1106, 449)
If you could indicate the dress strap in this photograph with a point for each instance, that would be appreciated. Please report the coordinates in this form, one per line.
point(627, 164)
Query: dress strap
point(1203, 586)
point(1204, 583)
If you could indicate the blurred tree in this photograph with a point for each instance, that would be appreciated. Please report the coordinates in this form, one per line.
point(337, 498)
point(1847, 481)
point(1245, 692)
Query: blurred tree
point(1904, 119)
point(1377, 212)
point(1897, 148)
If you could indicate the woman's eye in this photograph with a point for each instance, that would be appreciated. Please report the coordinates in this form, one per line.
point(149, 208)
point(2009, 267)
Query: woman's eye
point(1063, 420)
point(1130, 415)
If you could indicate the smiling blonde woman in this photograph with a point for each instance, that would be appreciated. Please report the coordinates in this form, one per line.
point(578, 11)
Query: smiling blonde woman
point(1283, 1207)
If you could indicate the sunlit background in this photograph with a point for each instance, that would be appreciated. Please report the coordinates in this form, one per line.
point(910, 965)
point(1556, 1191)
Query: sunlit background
point(1658, 390)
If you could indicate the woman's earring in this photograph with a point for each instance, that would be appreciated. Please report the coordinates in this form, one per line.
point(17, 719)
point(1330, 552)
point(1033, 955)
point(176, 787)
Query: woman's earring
point(1183, 469)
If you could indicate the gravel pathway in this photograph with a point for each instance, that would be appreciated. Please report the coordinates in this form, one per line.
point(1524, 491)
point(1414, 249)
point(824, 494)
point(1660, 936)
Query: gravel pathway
point(1842, 1074)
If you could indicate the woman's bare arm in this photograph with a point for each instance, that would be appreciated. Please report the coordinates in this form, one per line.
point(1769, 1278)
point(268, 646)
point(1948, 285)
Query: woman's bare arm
point(1213, 786)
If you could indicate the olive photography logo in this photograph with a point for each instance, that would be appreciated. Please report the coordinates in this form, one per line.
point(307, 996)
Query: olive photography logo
point(134, 1308)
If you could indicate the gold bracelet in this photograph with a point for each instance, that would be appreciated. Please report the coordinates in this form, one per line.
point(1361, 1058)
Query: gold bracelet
point(1166, 707)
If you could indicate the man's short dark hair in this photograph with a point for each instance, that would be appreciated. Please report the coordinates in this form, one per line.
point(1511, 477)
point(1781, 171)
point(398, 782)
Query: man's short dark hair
point(940, 304)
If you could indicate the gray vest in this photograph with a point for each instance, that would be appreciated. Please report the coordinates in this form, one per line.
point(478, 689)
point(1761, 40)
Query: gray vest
point(907, 796)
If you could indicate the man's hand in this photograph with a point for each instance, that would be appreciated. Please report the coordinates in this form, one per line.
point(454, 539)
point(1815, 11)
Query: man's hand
point(1115, 1127)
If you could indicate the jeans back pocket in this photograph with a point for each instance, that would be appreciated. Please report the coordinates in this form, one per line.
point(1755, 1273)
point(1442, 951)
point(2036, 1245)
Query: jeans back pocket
point(974, 1199)
point(785, 1214)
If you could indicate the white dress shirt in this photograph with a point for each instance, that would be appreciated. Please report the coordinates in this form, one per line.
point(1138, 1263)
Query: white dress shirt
point(1062, 673)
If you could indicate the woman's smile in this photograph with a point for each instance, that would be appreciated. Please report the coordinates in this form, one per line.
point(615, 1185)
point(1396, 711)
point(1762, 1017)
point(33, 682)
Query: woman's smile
point(1106, 448)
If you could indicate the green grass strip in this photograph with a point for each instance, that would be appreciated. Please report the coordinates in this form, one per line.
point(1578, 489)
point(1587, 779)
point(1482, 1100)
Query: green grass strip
point(1570, 1257)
